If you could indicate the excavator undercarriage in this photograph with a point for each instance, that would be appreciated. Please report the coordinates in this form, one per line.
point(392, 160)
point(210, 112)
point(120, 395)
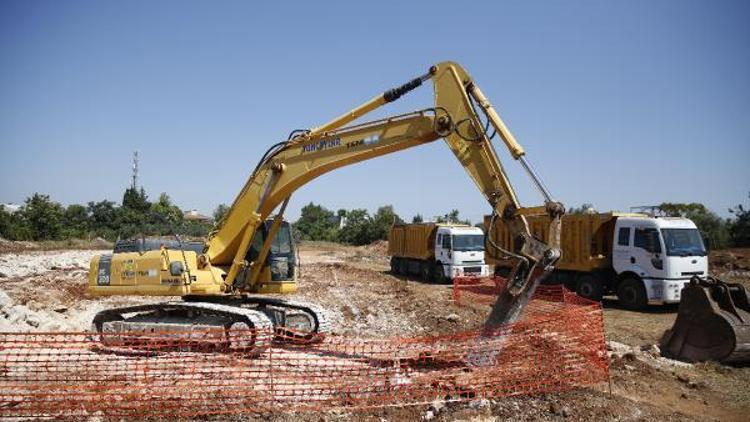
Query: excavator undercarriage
point(242, 323)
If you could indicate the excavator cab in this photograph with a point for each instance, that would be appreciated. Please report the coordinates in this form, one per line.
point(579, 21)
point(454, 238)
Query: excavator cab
point(713, 323)
point(279, 274)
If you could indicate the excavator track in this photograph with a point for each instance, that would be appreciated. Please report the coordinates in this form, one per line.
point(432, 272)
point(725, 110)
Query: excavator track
point(196, 326)
point(248, 323)
point(282, 313)
point(322, 322)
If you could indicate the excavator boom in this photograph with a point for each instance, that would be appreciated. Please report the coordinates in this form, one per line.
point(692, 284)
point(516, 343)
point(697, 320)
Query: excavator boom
point(244, 257)
point(455, 118)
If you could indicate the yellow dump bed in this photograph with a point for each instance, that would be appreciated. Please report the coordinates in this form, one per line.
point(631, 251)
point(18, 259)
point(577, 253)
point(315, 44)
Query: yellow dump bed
point(416, 241)
point(586, 240)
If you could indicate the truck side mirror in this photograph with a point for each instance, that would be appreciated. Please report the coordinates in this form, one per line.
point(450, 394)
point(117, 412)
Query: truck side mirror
point(176, 268)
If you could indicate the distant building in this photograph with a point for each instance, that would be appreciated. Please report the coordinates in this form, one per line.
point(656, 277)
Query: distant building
point(194, 215)
point(11, 207)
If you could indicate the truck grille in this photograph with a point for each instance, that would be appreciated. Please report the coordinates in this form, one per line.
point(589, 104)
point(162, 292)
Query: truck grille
point(472, 270)
point(693, 273)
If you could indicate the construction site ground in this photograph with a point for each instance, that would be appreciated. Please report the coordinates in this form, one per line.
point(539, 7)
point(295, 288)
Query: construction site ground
point(45, 290)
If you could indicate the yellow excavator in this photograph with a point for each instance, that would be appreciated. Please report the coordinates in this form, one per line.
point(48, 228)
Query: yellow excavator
point(230, 282)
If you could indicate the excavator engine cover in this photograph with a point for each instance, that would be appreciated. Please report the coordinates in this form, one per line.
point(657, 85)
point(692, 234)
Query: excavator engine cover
point(713, 323)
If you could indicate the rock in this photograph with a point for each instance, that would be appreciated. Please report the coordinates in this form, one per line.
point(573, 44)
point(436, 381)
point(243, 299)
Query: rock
point(629, 368)
point(629, 356)
point(479, 404)
point(453, 318)
point(3, 275)
point(683, 396)
point(428, 415)
point(437, 406)
point(61, 309)
point(565, 411)
point(5, 300)
point(653, 350)
point(554, 408)
point(683, 378)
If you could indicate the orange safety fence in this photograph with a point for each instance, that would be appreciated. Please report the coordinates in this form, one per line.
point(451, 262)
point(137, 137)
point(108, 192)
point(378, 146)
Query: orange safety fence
point(167, 375)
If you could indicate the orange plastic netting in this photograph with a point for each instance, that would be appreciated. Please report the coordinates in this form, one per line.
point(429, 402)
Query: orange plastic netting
point(558, 345)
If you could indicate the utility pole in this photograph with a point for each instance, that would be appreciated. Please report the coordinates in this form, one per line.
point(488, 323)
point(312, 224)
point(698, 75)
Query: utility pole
point(135, 170)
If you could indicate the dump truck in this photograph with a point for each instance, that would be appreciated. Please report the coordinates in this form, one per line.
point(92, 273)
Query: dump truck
point(437, 252)
point(640, 258)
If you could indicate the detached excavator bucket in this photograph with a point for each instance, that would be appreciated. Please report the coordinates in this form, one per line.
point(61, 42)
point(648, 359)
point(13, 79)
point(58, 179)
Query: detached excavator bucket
point(713, 323)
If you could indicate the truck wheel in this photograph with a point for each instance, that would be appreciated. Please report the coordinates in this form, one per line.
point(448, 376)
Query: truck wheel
point(426, 269)
point(403, 267)
point(632, 294)
point(438, 275)
point(589, 287)
point(394, 265)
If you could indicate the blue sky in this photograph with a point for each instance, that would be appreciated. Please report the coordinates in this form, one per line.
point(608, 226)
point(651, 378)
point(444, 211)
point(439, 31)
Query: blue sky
point(617, 103)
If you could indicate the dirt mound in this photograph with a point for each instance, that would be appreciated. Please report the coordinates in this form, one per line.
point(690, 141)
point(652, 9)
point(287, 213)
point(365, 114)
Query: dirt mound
point(370, 302)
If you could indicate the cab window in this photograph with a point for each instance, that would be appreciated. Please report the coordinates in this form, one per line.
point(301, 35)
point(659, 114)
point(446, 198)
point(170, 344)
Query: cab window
point(623, 237)
point(446, 242)
point(647, 239)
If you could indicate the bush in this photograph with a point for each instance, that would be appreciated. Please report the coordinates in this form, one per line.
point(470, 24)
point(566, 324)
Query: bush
point(739, 229)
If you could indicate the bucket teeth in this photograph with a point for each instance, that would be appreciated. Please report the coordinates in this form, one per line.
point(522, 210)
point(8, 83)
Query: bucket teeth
point(713, 323)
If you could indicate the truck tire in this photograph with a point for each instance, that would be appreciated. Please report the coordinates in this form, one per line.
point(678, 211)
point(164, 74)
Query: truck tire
point(395, 265)
point(589, 287)
point(632, 294)
point(426, 270)
point(403, 266)
point(438, 274)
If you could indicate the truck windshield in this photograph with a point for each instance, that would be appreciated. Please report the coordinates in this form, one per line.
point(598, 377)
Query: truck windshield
point(683, 242)
point(468, 242)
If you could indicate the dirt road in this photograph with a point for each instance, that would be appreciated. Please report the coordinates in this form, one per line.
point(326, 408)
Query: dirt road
point(42, 291)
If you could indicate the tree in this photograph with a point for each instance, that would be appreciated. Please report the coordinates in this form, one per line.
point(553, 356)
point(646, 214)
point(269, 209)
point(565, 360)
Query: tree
point(12, 226)
point(357, 230)
point(220, 211)
point(167, 214)
point(316, 223)
point(713, 227)
point(740, 228)
point(43, 217)
point(103, 219)
point(75, 221)
point(382, 221)
point(417, 219)
point(452, 218)
point(585, 208)
point(136, 200)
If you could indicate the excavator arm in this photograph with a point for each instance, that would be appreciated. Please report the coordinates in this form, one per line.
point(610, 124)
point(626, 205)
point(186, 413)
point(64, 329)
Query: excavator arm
point(454, 117)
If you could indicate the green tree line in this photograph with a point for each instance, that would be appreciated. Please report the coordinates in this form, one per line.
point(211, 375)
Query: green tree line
point(41, 218)
point(357, 226)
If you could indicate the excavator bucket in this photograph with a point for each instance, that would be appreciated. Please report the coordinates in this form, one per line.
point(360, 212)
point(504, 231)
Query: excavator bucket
point(713, 323)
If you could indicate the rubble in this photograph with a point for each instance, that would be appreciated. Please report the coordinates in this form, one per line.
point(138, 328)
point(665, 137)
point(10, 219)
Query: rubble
point(46, 291)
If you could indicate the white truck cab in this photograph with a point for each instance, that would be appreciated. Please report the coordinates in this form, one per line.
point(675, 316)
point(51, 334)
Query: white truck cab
point(655, 257)
point(459, 250)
